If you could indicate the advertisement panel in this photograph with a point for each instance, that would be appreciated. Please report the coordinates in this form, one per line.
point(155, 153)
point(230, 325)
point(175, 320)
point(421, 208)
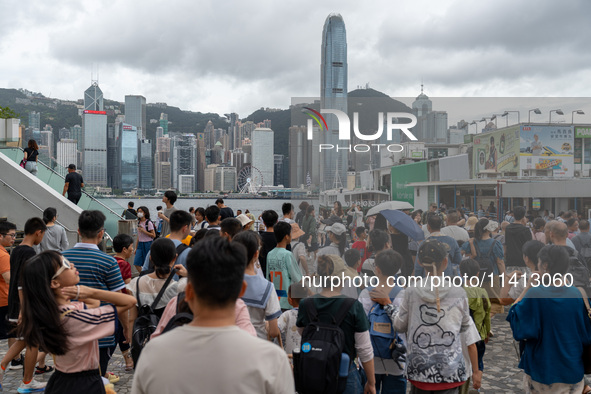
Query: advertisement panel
point(496, 152)
point(582, 132)
point(548, 147)
point(405, 174)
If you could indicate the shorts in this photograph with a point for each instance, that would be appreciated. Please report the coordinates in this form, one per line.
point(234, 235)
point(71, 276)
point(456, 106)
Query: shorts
point(74, 198)
point(4, 322)
point(87, 382)
point(533, 387)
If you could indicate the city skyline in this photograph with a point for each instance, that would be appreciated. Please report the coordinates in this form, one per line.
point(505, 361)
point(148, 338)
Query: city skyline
point(458, 49)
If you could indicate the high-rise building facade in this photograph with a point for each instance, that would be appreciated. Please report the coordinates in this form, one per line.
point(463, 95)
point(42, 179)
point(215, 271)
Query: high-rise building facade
point(135, 114)
point(94, 126)
point(183, 158)
point(129, 157)
point(146, 179)
point(67, 152)
point(262, 155)
point(35, 120)
point(113, 156)
point(76, 134)
point(93, 98)
point(333, 95)
point(300, 154)
point(219, 178)
point(164, 123)
point(201, 160)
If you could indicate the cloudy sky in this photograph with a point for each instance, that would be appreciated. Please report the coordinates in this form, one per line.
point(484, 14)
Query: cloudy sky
point(237, 55)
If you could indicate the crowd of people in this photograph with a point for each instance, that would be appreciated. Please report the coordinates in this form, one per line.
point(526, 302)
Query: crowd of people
point(239, 304)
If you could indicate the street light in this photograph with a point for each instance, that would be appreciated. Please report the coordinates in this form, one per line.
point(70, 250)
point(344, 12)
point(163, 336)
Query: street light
point(494, 117)
point(535, 110)
point(558, 112)
point(476, 124)
point(578, 112)
point(506, 113)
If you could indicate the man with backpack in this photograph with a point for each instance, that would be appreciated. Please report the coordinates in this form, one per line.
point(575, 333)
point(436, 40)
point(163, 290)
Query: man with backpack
point(218, 349)
point(180, 228)
point(387, 344)
point(576, 265)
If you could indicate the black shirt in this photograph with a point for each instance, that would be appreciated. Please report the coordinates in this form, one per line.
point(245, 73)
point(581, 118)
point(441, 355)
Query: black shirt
point(74, 181)
point(516, 235)
point(31, 154)
point(269, 243)
point(226, 212)
point(19, 255)
point(130, 214)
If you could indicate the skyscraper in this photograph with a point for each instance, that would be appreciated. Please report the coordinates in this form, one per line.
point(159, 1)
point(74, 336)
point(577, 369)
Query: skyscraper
point(128, 147)
point(146, 164)
point(135, 113)
point(93, 98)
point(34, 120)
point(262, 155)
point(164, 123)
point(67, 152)
point(113, 156)
point(183, 160)
point(333, 95)
point(94, 130)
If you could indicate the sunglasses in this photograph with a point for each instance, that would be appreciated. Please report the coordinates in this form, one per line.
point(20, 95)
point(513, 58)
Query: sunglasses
point(65, 266)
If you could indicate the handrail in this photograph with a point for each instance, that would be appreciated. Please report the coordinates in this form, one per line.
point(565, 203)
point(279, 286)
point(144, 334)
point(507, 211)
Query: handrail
point(61, 176)
point(33, 204)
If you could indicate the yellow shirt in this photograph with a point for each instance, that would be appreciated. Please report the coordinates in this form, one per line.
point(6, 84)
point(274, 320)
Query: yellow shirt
point(186, 241)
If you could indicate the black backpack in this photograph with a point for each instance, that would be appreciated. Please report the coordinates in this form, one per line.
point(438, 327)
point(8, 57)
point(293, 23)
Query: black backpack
point(147, 321)
point(578, 269)
point(181, 317)
point(485, 262)
point(155, 229)
point(316, 367)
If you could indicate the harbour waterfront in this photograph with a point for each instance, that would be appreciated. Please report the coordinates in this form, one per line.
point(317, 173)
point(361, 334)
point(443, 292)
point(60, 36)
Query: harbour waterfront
point(255, 205)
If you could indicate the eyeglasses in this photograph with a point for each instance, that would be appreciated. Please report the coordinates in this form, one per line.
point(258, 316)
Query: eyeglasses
point(13, 235)
point(65, 266)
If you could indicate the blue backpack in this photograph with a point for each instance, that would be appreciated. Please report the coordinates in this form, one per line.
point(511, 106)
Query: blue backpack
point(381, 331)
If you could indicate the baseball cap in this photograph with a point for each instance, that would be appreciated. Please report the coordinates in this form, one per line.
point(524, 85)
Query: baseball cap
point(337, 229)
point(432, 251)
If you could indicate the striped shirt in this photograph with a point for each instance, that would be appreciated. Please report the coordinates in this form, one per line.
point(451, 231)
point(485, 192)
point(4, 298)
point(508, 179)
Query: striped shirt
point(97, 270)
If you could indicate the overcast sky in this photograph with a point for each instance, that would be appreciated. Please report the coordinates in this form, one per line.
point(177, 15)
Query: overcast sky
point(237, 55)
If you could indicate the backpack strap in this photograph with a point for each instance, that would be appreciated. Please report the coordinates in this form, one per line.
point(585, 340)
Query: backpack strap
point(163, 289)
point(137, 291)
point(179, 298)
point(342, 313)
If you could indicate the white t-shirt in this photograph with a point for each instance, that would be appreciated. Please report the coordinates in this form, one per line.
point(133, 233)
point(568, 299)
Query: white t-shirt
point(289, 332)
point(149, 289)
point(217, 360)
point(457, 233)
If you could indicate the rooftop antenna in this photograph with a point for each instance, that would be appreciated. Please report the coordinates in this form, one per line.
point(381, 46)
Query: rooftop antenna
point(421, 85)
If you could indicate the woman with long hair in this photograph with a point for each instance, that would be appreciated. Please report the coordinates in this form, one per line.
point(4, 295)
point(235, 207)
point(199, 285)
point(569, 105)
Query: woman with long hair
point(337, 210)
point(482, 243)
point(31, 156)
point(67, 329)
point(146, 232)
point(55, 237)
point(309, 225)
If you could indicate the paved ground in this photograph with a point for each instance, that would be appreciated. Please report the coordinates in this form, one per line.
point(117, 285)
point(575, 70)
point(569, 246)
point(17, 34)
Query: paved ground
point(501, 374)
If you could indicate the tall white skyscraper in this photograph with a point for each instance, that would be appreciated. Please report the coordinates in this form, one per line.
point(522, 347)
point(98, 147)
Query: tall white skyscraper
point(135, 113)
point(183, 158)
point(262, 155)
point(67, 152)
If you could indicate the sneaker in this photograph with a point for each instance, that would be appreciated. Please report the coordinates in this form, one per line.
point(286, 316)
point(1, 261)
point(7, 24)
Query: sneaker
point(33, 387)
point(1, 377)
point(46, 369)
point(112, 377)
point(17, 363)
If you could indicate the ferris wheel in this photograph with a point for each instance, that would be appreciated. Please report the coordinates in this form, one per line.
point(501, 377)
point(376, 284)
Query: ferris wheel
point(250, 180)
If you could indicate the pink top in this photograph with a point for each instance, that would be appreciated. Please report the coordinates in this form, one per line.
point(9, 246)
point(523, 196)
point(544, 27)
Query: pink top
point(241, 314)
point(540, 236)
point(141, 237)
point(85, 327)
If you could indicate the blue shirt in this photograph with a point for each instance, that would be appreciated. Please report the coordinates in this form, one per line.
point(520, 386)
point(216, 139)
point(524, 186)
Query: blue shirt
point(484, 248)
point(554, 324)
point(97, 270)
point(454, 257)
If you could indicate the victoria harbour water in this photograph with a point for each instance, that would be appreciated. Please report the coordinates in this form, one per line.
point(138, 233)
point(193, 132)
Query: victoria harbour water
point(255, 205)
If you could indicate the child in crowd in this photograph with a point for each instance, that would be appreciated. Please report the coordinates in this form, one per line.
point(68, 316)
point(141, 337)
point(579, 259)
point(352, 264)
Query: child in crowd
point(479, 305)
point(229, 360)
point(67, 329)
point(260, 296)
point(282, 267)
point(352, 259)
point(389, 373)
point(361, 244)
point(433, 318)
point(287, 322)
point(123, 246)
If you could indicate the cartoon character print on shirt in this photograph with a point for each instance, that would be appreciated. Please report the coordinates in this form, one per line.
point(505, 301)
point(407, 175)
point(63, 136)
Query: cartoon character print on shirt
point(429, 333)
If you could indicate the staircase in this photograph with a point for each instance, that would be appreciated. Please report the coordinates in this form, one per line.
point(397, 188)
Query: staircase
point(29, 195)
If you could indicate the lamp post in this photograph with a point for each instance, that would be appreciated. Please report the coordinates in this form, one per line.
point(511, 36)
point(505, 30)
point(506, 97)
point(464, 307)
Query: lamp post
point(578, 112)
point(476, 124)
point(558, 112)
point(506, 113)
point(535, 111)
point(483, 120)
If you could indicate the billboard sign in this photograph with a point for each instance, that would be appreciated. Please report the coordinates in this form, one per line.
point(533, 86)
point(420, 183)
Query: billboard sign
point(548, 147)
point(405, 174)
point(582, 132)
point(496, 152)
